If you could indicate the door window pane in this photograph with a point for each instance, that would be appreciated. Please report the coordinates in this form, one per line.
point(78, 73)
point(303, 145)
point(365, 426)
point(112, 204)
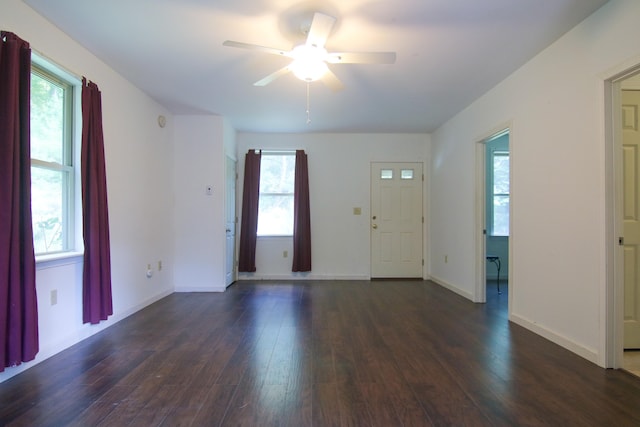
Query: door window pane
point(406, 174)
point(386, 174)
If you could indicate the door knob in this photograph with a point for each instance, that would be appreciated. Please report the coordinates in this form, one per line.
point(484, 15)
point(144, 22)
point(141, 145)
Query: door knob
point(375, 226)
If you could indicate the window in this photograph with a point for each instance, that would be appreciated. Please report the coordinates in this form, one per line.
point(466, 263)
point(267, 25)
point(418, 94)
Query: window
point(275, 204)
point(386, 174)
point(406, 174)
point(500, 190)
point(52, 171)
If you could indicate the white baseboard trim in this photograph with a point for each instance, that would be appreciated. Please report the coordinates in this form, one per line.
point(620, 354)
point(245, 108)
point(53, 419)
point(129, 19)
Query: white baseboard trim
point(582, 351)
point(83, 332)
point(253, 276)
point(452, 288)
point(201, 289)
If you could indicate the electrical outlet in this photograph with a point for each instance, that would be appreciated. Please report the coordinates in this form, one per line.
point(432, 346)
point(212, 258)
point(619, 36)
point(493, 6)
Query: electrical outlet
point(160, 265)
point(54, 297)
point(357, 211)
point(446, 259)
point(285, 254)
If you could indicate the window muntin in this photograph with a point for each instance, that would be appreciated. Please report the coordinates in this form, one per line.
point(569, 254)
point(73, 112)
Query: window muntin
point(275, 204)
point(52, 168)
point(500, 194)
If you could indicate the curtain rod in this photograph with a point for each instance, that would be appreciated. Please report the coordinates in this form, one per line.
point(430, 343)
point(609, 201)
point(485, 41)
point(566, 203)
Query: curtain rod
point(276, 151)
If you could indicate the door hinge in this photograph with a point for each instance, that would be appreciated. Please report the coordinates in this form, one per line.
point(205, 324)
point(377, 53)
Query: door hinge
point(621, 241)
point(423, 262)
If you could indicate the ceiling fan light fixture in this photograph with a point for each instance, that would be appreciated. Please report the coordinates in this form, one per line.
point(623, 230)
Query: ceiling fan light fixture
point(309, 62)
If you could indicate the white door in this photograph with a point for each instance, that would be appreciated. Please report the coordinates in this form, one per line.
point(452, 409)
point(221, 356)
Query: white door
point(631, 212)
point(396, 220)
point(230, 221)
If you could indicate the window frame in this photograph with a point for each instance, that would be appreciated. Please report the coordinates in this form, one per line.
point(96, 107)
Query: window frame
point(497, 153)
point(69, 168)
point(273, 153)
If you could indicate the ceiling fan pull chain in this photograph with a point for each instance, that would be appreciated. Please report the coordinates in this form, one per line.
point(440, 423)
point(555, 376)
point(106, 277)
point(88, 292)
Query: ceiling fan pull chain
point(308, 108)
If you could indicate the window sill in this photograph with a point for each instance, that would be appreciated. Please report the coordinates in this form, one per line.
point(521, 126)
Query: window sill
point(53, 260)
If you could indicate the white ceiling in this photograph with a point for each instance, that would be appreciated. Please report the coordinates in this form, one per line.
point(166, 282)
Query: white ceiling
point(449, 52)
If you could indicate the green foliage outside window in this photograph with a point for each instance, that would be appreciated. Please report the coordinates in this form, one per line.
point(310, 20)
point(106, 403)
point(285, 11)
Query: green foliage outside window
point(51, 162)
point(500, 194)
point(275, 205)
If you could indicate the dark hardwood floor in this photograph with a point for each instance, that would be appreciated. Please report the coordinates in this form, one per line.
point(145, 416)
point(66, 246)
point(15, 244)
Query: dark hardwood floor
point(330, 353)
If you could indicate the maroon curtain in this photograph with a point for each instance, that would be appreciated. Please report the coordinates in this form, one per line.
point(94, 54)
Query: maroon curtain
point(96, 280)
point(249, 226)
point(301, 216)
point(18, 303)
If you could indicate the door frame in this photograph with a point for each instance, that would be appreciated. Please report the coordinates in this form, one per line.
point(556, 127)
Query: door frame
point(422, 207)
point(480, 244)
point(229, 160)
point(612, 296)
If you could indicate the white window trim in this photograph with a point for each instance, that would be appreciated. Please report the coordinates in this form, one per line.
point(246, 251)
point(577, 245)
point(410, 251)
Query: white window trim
point(494, 153)
point(76, 244)
point(276, 153)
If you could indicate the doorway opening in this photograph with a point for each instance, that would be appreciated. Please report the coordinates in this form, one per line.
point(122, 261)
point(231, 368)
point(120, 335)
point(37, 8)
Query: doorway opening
point(493, 216)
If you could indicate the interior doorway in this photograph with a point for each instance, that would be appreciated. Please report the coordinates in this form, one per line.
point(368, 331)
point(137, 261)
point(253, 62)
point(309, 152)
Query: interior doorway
point(497, 202)
point(493, 215)
point(629, 215)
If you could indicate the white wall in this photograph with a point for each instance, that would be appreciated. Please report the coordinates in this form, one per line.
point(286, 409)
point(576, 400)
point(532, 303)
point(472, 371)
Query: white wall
point(339, 169)
point(555, 104)
point(201, 145)
point(140, 192)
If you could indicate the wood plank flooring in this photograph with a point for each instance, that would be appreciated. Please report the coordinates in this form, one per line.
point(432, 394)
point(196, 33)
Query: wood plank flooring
point(329, 353)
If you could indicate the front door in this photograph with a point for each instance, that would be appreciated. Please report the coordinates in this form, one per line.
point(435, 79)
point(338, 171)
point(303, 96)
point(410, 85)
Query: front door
point(631, 212)
point(396, 220)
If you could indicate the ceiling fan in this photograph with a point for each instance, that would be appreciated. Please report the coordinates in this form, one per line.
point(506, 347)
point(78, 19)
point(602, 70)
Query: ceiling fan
point(310, 60)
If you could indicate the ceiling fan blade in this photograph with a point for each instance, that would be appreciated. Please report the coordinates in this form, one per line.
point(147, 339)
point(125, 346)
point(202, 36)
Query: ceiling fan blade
point(332, 81)
point(231, 43)
point(271, 77)
point(361, 58)
point(320, 29)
